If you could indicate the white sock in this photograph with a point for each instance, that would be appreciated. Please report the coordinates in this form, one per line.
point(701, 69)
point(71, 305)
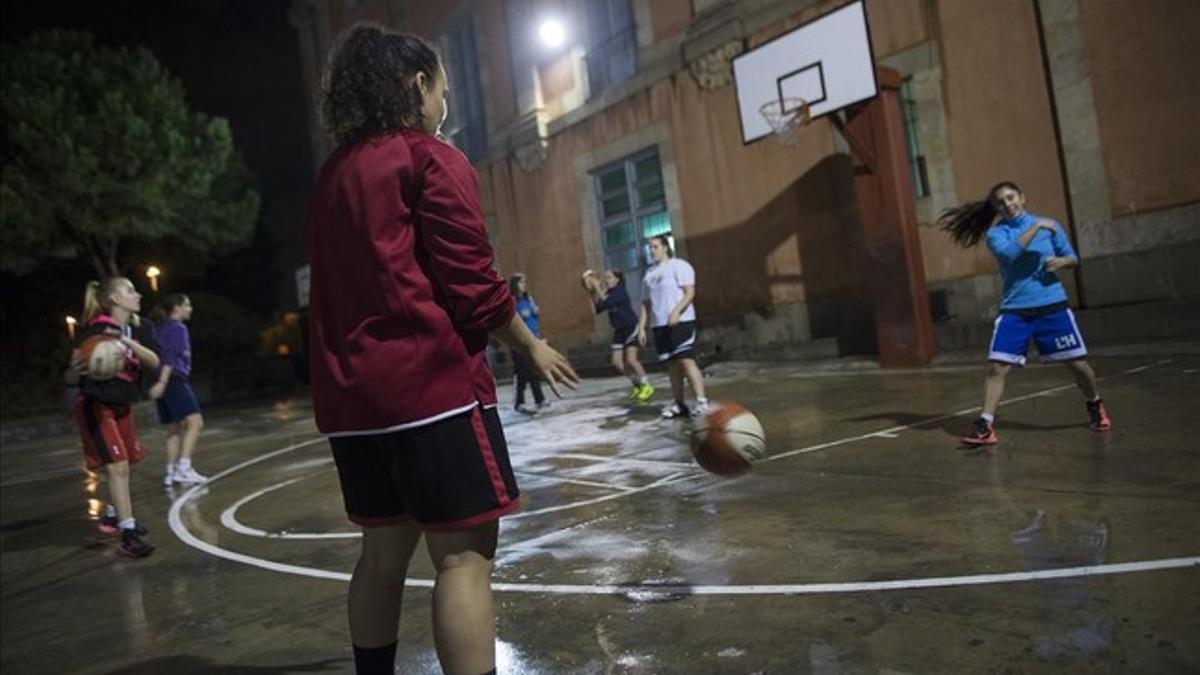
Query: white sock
point(701, 400)
point(127, 524)
point(988, 417)
point(643, 380)
point(183, 465)
point(110, 511)
point(170, 468)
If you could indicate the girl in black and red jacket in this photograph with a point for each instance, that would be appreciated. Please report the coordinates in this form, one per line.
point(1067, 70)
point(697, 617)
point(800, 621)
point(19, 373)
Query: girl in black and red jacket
point(403, 299)
point(104, 407)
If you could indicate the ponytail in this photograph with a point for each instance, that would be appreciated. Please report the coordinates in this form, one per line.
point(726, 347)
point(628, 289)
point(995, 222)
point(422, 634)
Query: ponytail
point(92, 307)
point(968, 223)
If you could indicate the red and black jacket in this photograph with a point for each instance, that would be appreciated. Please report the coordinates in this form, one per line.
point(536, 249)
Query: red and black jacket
point(403, 294)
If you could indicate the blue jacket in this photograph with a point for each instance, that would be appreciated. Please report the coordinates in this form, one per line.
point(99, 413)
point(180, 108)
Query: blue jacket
point(528, 311)
point(1027, 282)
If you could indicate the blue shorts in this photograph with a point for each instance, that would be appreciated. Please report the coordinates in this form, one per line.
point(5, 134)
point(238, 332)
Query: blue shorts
point(177, 402)
point(1056, 335)
point(624, 337)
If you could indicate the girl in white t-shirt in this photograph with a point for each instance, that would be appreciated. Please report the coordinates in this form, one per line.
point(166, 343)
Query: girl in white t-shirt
point(668, 289)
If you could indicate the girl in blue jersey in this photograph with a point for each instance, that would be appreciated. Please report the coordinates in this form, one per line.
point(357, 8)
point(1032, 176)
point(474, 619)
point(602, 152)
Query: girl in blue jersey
point(522, 370)
point(1029, 250)
point(611, 297)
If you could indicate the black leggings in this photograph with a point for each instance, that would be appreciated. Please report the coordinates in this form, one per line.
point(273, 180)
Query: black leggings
point(523, 374)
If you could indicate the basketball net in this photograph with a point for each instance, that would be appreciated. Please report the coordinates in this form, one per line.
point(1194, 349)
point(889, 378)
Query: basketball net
point(786, 116)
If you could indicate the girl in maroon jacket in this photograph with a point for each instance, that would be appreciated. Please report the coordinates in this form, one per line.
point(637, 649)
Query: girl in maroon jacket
point(403, 299)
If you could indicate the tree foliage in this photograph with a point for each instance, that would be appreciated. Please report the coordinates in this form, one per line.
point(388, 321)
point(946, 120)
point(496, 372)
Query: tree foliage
point(102, 148)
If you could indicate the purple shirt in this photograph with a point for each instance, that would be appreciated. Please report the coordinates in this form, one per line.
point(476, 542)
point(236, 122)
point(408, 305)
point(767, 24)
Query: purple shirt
point(175, 347)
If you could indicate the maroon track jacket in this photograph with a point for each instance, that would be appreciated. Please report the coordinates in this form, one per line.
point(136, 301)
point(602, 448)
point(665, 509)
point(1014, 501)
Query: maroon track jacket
point(402, 293)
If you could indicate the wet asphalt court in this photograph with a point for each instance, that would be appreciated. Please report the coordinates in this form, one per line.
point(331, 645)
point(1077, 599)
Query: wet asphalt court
point(867, 542)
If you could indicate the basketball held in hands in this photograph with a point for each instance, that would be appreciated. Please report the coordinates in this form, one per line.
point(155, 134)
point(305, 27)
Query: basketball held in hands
point(103, 356)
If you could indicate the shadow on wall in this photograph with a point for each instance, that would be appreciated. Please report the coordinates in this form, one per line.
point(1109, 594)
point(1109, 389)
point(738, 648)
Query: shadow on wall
point(814, 222)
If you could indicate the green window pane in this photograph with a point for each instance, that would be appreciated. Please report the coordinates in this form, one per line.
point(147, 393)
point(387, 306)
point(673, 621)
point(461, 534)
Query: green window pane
point(620, 234)
point(648, 169)
point(613, 180)
point(624, 259)
point(649, 195)
point(615, 206)
point(656, 224)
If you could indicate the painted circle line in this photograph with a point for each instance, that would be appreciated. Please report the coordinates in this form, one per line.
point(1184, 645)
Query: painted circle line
point(175, 520)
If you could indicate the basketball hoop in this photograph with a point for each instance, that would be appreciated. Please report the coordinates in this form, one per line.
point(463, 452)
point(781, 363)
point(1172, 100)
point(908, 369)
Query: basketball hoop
point(786, 116)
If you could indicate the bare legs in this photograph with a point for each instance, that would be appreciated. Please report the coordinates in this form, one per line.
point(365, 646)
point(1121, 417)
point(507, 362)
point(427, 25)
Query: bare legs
point(626, 363)
point(464, 625)
point(633, 367)
point(1085, 378)
point(192, 425)
point(464, 620)
point(680, 368)
point(993, 386)
point(993, 382)
point(118, 489)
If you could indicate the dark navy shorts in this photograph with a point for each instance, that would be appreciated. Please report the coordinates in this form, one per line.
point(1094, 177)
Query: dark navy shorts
point(1056, 335)
point(624, 337)
point(451, 474)
point(177, 402)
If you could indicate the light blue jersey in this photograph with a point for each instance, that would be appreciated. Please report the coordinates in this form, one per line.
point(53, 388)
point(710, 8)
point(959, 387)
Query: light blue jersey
point(1027, 282)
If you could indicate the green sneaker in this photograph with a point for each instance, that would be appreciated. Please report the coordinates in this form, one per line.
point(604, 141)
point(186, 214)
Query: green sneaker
point(635, 391)
point(645, 392)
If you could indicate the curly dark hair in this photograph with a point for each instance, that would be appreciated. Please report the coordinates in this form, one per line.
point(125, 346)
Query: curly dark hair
point(367, 88)
point(968, 223)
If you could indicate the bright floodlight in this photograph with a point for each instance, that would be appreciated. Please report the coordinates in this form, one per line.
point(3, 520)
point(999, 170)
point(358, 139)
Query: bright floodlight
point(552, 33)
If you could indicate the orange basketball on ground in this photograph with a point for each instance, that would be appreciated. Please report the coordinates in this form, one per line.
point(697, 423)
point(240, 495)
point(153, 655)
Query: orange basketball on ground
point(728, 439)
point(103, 356)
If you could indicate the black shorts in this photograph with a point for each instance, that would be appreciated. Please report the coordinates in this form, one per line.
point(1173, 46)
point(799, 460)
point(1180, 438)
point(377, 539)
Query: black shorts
point(624, 337)
point(449, 475)
point(177, 402)
point(675, 342)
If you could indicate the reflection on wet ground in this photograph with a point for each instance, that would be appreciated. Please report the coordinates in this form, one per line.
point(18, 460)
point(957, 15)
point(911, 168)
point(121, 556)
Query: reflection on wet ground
point(868, 542)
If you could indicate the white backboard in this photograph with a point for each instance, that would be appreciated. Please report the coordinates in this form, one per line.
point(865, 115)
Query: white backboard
point(828, 62)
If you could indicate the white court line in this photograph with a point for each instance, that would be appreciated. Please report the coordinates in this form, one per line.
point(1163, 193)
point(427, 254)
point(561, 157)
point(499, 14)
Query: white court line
point(967, 411)
point(572, 481)
point(175, 521)
point(229, 518)
point(621, 460)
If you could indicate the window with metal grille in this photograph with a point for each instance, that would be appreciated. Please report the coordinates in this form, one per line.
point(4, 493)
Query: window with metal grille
point(633, 208)
point(466, 124)
point(916, 160)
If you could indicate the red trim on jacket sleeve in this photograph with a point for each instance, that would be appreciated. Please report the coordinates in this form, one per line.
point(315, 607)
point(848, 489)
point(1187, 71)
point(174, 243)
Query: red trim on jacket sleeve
point(453, 235)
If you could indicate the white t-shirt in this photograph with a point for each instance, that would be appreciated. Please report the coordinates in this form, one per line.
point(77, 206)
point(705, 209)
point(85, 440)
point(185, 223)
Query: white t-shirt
point(663, 288)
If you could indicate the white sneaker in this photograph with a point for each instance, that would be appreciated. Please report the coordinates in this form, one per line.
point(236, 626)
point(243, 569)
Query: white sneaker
point(700, 409)
point(674, 410)
point(169, 477)
point(189, 476)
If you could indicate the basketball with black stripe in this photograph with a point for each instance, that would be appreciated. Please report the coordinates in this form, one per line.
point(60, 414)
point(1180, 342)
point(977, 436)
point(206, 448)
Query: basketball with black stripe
point(728, 439)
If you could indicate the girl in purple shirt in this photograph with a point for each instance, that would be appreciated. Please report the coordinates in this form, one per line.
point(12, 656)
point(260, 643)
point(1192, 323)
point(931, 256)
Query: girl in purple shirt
point(178, 407)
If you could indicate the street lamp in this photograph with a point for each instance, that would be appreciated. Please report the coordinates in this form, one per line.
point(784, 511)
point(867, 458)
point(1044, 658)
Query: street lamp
point(552, 33)
point(71, 327)
point(152, 273)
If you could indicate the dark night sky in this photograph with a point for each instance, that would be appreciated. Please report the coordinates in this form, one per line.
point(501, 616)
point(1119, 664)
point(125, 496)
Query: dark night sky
point(237, 59)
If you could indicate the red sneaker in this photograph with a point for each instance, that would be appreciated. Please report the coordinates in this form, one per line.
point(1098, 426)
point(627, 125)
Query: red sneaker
point(1098, 419)
point(982, 433)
